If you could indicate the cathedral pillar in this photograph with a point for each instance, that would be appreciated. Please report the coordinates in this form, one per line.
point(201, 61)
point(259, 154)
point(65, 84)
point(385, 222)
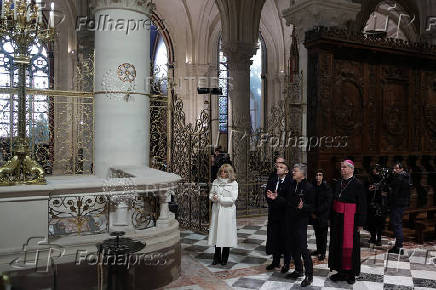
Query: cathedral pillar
point(304, 15)
point(240, 32)
point(122, 68)
point(239, 127)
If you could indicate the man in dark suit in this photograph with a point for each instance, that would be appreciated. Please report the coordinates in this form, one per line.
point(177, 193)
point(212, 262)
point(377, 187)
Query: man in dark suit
point(321, 213)
point(278, 185)
point(300, 200)
point(399, 200)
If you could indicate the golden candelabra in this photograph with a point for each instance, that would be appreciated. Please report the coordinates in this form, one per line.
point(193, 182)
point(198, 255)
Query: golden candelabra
point(22, 21)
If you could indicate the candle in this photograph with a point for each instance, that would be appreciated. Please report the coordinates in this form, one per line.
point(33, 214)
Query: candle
point(51, 22)
point(28, 10)
point(15, 9)
point(39, 7)
point(6, 9)
point(3, 9)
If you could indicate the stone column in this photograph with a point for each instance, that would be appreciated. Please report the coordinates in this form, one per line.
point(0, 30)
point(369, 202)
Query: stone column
point(238, 61)
point(122, 64)
point(240, 32)
point(304, 15)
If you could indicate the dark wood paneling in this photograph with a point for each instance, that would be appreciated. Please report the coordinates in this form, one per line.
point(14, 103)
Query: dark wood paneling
point(380, 95)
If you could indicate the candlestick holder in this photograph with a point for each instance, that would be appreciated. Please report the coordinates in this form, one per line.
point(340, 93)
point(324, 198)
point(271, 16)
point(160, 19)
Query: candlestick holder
point(22, 22)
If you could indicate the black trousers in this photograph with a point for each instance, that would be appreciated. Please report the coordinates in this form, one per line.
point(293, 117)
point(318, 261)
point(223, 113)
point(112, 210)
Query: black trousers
point(397, 225)
point(278, 243)
point(299, 247)
point(286, 259)
point(221, 256)
point(321, 238)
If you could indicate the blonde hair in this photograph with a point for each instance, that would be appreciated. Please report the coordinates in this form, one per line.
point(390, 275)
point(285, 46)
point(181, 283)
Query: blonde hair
point(227, 167)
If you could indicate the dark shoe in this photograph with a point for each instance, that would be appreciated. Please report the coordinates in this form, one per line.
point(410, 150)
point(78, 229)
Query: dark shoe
point(338, 277)
point(216, 261)
point(307, 281)
point(285, 268)
point(396, 250)
point(217, 256)
point(372, 240)
point(272, 266)
point(225, 255)
point(314, 253)
point(351, 279)
point(294, 275)
point(321, 257)
point(378, 243)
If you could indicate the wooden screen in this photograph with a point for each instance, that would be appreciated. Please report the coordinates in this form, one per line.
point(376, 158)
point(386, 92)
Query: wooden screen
point(377, 95)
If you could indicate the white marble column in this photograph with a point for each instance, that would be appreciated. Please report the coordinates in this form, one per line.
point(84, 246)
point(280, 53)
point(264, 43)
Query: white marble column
point(122, 63)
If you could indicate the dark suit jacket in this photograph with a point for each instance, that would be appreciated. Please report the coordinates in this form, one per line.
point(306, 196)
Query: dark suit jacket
point(303, 190)
point(276, 208)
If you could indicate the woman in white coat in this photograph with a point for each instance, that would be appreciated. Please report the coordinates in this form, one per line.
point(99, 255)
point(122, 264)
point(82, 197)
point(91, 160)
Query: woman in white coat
point(222, 230)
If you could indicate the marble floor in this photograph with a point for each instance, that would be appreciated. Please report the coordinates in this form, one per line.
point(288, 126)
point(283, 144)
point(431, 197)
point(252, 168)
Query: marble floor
point(416, 269)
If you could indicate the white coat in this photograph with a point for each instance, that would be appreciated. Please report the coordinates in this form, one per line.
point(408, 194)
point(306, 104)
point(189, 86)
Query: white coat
point(222, 229)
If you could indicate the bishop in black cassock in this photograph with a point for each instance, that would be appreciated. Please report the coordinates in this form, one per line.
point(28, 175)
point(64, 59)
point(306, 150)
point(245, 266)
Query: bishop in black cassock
point(348, 218)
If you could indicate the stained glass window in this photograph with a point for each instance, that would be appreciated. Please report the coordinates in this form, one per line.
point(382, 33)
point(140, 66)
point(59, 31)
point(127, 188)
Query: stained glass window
point(223, 76)
point(159, 58)
point(37, 106)
point(256, 88)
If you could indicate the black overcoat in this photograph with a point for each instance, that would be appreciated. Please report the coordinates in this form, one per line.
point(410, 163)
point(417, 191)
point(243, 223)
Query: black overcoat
point(322, 205)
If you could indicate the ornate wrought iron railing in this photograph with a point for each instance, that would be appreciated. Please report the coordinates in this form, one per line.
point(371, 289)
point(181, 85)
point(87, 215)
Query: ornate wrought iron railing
point(90, 213)
point(193, 206)
point(159, 132)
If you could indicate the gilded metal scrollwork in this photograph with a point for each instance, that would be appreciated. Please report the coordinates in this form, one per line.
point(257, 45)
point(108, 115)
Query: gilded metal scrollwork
point(78, 214)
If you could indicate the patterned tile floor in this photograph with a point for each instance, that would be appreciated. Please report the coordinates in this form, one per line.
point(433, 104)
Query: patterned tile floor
point(416, 269)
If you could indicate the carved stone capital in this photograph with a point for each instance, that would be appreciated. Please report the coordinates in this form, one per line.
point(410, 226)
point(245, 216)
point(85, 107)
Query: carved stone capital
point(141, 6)
point(239, 54)
point(305, 14)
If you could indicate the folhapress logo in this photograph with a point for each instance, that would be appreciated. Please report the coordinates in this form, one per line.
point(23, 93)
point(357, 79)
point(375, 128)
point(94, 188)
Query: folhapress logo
point(38, 254)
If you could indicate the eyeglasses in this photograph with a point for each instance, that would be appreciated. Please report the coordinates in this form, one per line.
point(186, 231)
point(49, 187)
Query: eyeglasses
point(319, 174)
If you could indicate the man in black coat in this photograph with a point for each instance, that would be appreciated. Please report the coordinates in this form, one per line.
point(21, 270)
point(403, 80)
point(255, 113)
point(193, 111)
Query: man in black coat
point(321, 214)
point(399, 200)
point(376, 200)
point(299, 203)
point(278, 185)
point(347, 220)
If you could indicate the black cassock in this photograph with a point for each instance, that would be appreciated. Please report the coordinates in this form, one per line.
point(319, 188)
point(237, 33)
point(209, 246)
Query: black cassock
point(277, 222)
point(351, 194)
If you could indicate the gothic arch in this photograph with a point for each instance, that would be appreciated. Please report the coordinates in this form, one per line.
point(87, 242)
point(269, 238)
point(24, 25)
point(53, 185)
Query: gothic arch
point(166, 36)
